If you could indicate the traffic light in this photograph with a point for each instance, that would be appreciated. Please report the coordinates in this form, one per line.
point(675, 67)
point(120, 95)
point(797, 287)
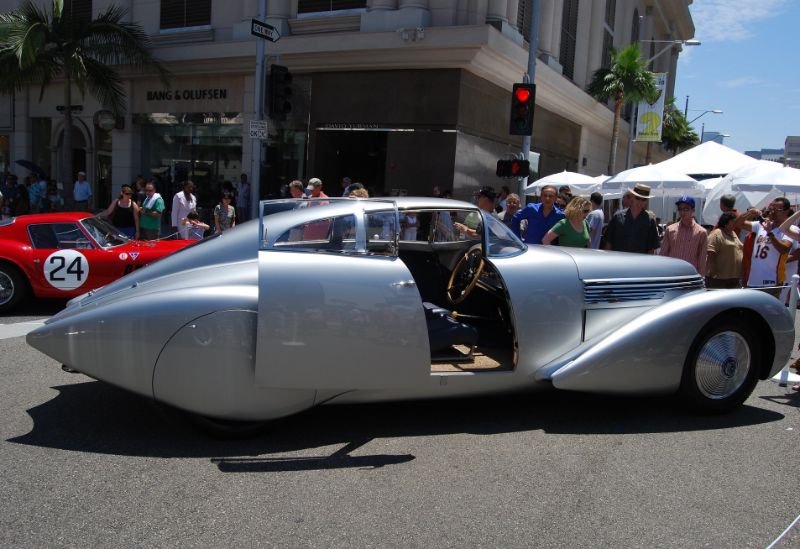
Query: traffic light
point(513, 168)
point(280, 92)
point(522, 98)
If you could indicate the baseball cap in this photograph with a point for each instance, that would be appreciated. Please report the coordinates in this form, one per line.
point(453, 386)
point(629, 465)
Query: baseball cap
point(685, 200)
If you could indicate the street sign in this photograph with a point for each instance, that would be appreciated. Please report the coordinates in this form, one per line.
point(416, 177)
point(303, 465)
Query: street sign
point(258, 129)
point(264, 30)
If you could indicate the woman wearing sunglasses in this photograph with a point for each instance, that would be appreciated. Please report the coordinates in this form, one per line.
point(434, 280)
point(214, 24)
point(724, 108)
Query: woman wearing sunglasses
point(123, 213)
point(573, 230)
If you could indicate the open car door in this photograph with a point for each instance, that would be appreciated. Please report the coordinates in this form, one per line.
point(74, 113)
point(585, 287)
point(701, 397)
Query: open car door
point(337, 308)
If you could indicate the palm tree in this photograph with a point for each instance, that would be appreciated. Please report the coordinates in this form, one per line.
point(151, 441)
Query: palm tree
point(626, 81)
point(676, 133)
point(41, 47)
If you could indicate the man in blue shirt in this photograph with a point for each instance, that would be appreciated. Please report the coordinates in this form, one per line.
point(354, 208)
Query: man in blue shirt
point(540, 217)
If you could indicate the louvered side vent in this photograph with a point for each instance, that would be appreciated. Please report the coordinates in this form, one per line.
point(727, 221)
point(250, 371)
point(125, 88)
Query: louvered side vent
point(637, 289)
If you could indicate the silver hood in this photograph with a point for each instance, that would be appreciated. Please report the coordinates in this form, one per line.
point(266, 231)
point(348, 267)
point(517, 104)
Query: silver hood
point(601, 264)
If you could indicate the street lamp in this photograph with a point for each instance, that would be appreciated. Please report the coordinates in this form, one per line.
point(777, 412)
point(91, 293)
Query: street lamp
point(669, 45)
point(714, 111)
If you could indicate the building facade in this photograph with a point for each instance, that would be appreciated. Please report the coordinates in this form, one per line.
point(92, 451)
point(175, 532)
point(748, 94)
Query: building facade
point(401, 95)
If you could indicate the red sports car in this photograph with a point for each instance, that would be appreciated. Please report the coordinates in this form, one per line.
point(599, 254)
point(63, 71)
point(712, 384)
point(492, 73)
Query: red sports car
point(63, 255)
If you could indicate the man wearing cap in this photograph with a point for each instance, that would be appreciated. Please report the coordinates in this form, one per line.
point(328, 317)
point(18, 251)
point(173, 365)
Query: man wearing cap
point(473, 223)
point(633, 229)
point(686, 239)
point(540, 217)
point(82, 193)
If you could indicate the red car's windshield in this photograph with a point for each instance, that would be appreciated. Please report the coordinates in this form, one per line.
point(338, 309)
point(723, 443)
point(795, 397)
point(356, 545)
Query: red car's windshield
point(105, 234)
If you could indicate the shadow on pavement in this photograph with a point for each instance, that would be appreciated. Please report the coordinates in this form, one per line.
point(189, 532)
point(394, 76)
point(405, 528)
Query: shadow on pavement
point(96, 417)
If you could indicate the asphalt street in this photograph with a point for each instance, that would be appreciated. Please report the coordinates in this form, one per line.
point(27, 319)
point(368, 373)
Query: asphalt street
point(85, 464)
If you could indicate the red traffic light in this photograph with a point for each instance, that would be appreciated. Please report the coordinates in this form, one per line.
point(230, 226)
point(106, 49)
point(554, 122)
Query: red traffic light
point(513, 168)
point(521, 118)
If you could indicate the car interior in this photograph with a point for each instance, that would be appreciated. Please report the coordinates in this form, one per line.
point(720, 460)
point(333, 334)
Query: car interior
point(464, 298)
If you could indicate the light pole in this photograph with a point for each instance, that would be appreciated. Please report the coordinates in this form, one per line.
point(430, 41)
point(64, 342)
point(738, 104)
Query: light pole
point(669, 45)
point(714, 111)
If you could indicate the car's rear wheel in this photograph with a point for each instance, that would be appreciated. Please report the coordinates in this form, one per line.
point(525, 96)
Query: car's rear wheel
point(13, 287)
point(721, 369)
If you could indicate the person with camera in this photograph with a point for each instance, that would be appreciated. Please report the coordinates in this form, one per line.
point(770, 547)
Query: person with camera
point(766, 247)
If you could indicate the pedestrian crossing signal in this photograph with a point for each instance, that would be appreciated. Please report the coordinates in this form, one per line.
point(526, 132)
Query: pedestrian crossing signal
point(513, 168)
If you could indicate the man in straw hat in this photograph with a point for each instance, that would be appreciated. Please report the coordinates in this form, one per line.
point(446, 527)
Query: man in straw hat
point(633, 229)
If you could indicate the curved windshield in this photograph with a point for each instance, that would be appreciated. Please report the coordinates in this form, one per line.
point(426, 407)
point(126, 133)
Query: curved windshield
point(502, 242)
point(104, 233)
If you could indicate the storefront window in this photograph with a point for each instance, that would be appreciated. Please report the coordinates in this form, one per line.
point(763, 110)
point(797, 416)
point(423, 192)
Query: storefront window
point(41, 129)
point(203, 147)
point(4, 150)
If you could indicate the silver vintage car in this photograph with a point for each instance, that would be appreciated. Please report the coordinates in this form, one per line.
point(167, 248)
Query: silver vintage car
point(346, 300)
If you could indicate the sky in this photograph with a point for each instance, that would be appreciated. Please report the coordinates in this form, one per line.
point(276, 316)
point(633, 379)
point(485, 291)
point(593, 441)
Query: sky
point(748, 66)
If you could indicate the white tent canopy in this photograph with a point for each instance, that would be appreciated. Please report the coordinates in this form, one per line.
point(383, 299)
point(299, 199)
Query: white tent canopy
point(663, 183)
point(753, 185)
point(656, 177)
point(577, 182)
point(709, 158)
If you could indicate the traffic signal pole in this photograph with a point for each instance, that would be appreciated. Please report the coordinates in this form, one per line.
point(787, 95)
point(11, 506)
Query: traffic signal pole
point(258, 113)
point(530, 77)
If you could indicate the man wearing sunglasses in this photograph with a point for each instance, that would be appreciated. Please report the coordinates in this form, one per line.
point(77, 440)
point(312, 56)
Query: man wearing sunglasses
point(686, 239)
point(634, 228)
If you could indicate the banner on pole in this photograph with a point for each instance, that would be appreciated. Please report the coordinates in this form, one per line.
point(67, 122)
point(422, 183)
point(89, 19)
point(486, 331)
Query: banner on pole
point(650, 121)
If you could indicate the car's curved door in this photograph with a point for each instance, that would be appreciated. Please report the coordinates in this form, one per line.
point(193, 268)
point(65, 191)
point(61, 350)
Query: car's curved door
point(339, 319)
point(67, 261)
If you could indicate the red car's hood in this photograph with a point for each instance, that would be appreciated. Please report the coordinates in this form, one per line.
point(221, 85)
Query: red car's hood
point(155, 249)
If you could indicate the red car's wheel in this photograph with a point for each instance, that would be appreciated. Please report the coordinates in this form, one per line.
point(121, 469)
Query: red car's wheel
point(13, 287)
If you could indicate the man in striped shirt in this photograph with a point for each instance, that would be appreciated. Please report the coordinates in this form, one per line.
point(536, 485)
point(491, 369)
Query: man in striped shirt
point(686, 239)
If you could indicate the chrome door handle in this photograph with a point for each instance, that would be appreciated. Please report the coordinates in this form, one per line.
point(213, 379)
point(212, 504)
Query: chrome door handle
point(404, 284)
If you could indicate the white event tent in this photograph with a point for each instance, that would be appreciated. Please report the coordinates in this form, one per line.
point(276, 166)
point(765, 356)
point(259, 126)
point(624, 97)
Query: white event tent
point(663, 183)
point(708, 159)
point(754, 186)
point(579, 183)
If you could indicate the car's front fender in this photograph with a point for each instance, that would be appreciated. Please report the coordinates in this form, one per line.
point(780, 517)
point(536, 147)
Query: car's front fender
point(648, 353)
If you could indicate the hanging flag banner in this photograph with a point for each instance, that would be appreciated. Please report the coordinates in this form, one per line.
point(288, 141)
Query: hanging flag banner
point(650, 119)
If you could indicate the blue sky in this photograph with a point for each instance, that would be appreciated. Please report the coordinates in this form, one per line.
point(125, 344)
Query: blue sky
point(748, 66)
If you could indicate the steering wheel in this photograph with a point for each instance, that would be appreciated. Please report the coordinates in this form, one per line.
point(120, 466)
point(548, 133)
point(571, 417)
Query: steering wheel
point(465, 276)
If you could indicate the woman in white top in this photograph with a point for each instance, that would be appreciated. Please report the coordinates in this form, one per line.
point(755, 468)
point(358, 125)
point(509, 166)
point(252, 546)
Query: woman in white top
point(183, 203)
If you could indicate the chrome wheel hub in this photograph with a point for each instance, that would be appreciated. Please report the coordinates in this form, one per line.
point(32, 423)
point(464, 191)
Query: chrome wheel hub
point(722, 365)
point(6, 288)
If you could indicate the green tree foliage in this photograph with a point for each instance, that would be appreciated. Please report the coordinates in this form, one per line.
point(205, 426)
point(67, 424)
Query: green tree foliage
point(676, 134)
point(627, 80)
point(44, 47)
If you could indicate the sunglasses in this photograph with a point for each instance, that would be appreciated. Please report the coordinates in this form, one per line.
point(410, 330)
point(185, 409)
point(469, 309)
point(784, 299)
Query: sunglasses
point(128, 194)
point(684, 209)
point(587, 212)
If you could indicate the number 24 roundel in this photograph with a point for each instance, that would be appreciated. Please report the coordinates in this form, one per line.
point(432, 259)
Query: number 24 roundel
point(66, 269)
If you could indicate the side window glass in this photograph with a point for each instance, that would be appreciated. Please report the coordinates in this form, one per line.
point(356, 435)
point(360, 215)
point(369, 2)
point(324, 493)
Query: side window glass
point(70, 236)
point(335, 234)
point(381, 230)
point(415, 226)
point(43, 237)
point(446, 224)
